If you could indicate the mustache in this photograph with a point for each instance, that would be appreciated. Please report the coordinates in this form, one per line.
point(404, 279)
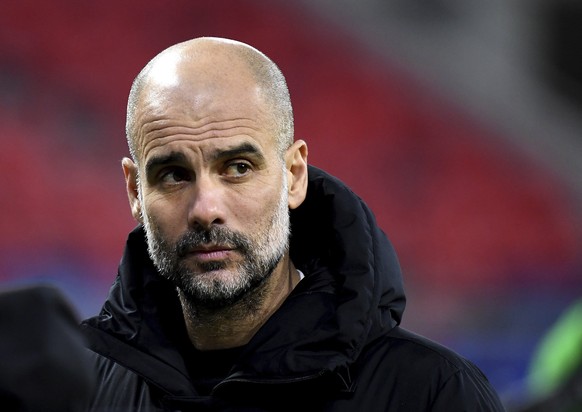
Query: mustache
point(216, 235)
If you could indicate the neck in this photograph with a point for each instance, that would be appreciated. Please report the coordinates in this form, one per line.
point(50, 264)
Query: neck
point(235, 325)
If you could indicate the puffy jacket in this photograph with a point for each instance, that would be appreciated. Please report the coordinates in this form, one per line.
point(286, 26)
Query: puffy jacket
point(333, 345)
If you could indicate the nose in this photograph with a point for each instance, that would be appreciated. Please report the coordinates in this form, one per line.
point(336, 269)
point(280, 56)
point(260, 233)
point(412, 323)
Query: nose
point(207, 205)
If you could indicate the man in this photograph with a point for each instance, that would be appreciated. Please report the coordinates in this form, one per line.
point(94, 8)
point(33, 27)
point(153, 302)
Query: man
point(216, 306)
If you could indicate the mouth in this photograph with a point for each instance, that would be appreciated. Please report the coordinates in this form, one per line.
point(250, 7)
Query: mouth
point(211, 253)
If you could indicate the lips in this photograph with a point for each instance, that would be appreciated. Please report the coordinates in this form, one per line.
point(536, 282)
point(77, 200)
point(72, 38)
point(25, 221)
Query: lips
point(211, 253)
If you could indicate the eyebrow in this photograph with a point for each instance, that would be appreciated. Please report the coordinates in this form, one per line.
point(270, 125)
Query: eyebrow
point(163, 160)
point(242, 149)
point(178, 157)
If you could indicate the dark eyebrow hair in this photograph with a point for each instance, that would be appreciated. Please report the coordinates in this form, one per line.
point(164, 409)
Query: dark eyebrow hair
point(179, 157)
point(242, 149)
point(157, 161)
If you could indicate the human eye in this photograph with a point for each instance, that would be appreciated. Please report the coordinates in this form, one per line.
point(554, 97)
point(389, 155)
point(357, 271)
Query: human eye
point(238, 169)
point(173, 176)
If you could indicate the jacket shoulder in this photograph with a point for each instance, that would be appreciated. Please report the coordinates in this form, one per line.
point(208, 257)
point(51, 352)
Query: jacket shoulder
point(419, 349)
point(420, 374)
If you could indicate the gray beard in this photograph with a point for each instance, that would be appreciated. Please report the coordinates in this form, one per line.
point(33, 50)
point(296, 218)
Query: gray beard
point(202, 290)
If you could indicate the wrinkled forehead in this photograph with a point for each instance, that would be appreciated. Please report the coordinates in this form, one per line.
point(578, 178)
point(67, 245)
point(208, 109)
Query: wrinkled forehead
point(200, 108)
point(190, 85)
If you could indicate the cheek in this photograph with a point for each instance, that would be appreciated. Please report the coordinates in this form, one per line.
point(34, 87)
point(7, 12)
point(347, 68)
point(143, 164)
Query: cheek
point(259, 211)
point(251, 203)
point(245, 212)
point(167, 218)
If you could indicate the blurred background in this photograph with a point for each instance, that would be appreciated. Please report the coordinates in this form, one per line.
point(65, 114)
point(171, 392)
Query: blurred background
point(458, 121)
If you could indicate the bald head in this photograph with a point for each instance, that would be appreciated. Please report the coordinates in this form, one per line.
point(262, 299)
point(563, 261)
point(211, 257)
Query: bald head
point(217, 67)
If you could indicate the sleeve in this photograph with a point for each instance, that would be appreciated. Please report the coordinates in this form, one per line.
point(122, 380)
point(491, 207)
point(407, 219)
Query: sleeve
point(467, 390)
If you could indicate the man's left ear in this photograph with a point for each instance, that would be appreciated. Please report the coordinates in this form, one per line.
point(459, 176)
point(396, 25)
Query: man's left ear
point(296, 162)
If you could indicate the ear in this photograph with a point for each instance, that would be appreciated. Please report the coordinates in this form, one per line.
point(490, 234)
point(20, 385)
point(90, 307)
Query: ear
point(296, 162)
point(131, 184)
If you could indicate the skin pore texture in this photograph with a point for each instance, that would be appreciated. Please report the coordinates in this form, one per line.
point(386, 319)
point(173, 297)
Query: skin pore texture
point(213, 176)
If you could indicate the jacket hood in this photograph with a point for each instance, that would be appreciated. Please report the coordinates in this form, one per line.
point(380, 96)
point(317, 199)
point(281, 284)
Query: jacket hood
point(352, 293)
point(353, 282)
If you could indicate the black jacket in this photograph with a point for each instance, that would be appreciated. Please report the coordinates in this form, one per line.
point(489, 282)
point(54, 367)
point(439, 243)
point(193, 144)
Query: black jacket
point(334, 344)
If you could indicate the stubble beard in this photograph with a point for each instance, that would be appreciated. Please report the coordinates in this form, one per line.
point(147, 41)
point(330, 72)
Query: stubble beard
point(214, 286)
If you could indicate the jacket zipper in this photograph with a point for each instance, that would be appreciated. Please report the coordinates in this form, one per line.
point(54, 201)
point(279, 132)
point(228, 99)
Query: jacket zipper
point(268, 381)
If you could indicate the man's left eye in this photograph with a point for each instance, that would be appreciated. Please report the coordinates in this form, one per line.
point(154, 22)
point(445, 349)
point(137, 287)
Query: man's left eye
point(238, 169)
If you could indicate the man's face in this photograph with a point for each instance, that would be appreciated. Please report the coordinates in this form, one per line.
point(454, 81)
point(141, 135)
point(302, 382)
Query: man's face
point(212, 189)
point(213, 279)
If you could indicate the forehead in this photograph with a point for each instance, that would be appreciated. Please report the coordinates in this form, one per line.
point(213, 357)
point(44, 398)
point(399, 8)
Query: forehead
point(202, 109)
point(207, 103)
